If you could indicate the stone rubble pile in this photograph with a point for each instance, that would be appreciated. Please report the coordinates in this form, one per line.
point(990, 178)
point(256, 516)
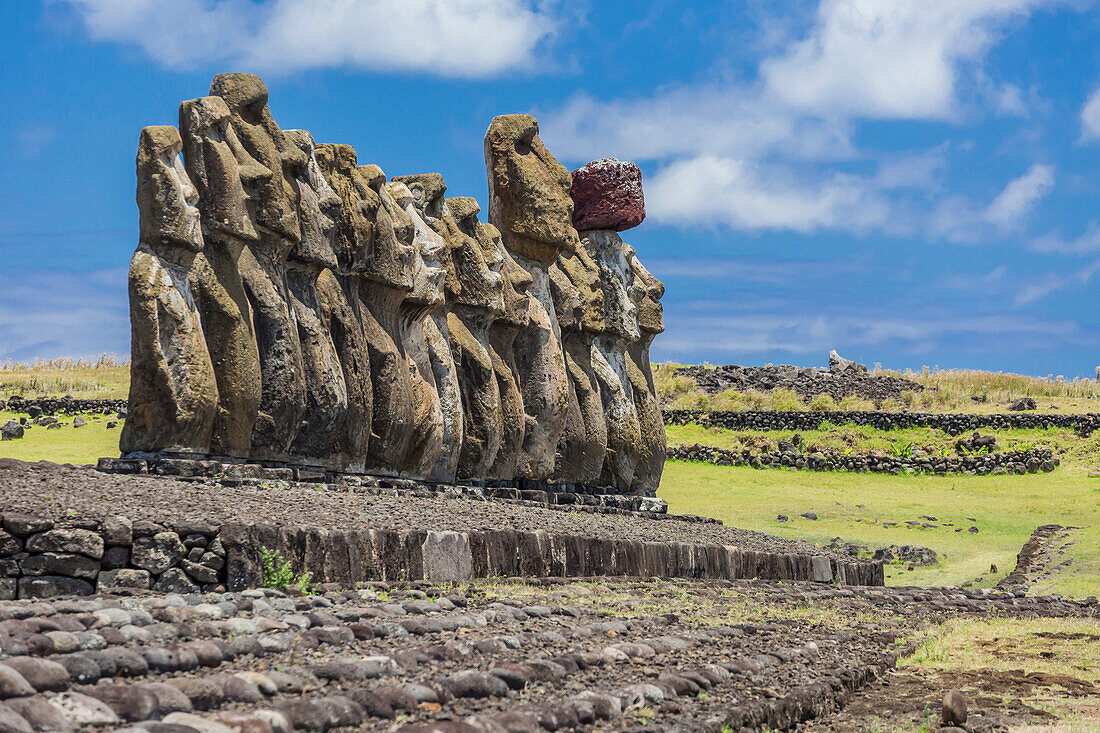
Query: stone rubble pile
point(294, 307)
point(805, 381)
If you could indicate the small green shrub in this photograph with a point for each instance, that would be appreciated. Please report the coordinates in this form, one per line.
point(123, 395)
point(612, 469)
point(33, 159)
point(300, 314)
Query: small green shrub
point(278, 573)
point(785, 399)
point(822, 403)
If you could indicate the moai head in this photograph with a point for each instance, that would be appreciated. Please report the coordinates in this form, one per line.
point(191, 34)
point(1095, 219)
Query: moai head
point(395, 255)
point(221, 169)
point(355, 229)
point(246, 97)
point(529, 198)
point(427, 191)
point(479, 286)
point(616, 280)
point(516, 281)
point(319, 207)
point(167, 202)
point(646, 291)
point(577, 278)
point(428, 272)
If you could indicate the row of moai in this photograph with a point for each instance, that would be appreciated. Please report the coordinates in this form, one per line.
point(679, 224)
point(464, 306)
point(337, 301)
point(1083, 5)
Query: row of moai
point(290, 306)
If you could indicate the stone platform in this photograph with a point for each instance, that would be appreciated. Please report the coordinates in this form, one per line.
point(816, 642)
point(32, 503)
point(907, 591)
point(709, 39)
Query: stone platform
point(74, 531)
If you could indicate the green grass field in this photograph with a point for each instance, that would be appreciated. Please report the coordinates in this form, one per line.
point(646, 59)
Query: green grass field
point(64, 445)
point(855, 506)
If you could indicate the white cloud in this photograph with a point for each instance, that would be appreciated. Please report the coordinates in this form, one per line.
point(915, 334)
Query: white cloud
point(956, 219)
point(897, 59)
point(1090, 117)
point(1020, 196)
point(1053, 282)
point(462, 38)
point(745, 196)
point(887, 59)
point(1088, 241)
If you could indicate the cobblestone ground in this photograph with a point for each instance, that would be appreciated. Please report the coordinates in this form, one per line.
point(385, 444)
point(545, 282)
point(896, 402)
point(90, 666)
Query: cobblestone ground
point(495, 655)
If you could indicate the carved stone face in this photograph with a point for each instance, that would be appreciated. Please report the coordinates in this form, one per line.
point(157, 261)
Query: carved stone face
point(167, 202)
point(647, 292)
point(616, 280)
point(355, 228)
point(319, 207)
point(528, 190)
point(480, 287)
point(246, 97)
point(395, 255)
point(584, 277)
point(427, 190)
point(517, 282)
point(428, 272)
point(221, 169)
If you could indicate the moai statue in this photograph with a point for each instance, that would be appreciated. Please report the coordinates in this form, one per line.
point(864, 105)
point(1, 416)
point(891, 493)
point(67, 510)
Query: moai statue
point(529, 203)
point(222, 171)
point(173, 392)
point(324, 424)
point(338, 294)
point(385, 281)
point(426, 444)
point(609, 358)
point(426, 209)
point(646, 292)
point(516, 317)
point(478, 300)
point(579, 299)
point(263, 264)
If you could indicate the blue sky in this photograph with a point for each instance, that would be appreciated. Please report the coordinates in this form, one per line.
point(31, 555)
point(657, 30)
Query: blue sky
point(911, 182)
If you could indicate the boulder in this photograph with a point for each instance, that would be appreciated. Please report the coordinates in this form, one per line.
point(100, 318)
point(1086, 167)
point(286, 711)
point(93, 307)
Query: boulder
point(607, 194)
point(838, 364)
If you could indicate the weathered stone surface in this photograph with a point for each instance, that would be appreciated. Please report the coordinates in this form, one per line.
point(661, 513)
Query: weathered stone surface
point(646, 291)
point(263, 263)
point(157, 553)
point(124, 578)
point(609, 361)
point(59, 563)
point(447, 556)
point(295, 308)
point(173, 392)
point(839, 365)
point(80, 541)
point(607, 194)
point(529, 204)
point(221, 169)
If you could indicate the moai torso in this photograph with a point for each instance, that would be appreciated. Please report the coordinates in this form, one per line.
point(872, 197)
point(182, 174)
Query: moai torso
point(426, 209)
point(529, 203)
point(320, 440)
point(173, 391)
point(646, 292)
point(338, 294)
point(609, 360)
point(263, 264)
point(222, 171)
point(578, 296)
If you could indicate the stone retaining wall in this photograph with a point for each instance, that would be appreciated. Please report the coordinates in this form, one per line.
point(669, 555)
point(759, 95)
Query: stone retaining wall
point(40, 558)
point(953, 424)
point(1018, 462)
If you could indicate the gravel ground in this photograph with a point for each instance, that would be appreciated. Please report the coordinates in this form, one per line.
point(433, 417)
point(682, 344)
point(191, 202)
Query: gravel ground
point(60, 492)
point(484, 657)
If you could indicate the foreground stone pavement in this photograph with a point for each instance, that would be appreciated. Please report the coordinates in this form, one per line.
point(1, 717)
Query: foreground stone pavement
point(495, 655)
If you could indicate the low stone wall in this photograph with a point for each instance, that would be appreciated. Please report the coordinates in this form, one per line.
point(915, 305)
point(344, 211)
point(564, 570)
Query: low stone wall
point(40, 558)
point(1017, 462)
point(64, 406)
point(953, 424)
